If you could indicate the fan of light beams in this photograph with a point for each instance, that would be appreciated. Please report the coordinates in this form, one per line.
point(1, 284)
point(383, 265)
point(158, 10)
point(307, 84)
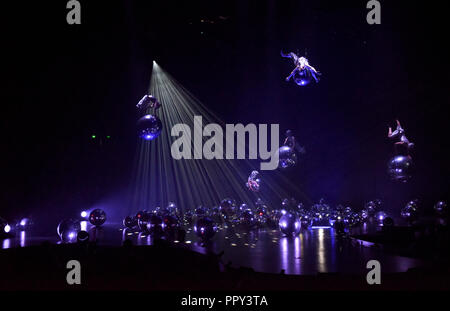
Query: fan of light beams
point(160, 179)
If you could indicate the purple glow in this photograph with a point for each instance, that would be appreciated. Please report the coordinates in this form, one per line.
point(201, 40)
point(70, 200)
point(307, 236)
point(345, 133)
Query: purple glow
point(6, 243)
point(83, 225)
point(22, 239)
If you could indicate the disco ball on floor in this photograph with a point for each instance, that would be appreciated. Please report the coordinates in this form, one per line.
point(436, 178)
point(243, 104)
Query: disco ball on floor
point(169, 223)
point(306, 220)
point(200, 211)
point(174, 210)
point(380, 216)
point(286, 157)
point(244, 207)
point(130, 222)
point(149, 127)
point(83, 236)
point(155, 225)
point(441, 208)
point(353, 220)
point(205, 228)
point(339, 226)
point(364, 215)
point(247, 219)
point(410, 211)
point(143, 218)
point(227, 207)
point(97, 217)
point(68, 230)
point(371, 207)
point(400, 168)
point(388, 222)
point(289, 224)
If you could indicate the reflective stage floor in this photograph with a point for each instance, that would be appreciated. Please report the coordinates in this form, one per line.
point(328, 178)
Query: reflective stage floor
point(317, 250)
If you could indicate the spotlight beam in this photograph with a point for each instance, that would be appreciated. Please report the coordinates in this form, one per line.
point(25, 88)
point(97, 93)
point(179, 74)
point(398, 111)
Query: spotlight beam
point(160, 179)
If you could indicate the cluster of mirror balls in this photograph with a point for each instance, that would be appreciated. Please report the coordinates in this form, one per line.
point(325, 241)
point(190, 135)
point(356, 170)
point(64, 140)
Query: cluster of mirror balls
point(290, 218)
point(70, 231)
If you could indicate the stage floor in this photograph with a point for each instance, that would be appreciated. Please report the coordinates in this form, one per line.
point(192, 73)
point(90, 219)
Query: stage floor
point(316, 250)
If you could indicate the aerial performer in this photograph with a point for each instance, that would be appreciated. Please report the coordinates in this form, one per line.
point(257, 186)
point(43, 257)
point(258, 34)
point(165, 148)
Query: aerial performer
point(253, 182)
point(400, 166)
point(149, 125)
point(400, 139)
point(287, 153)
point(292, 143)
point(149, 101)
point(303, 71)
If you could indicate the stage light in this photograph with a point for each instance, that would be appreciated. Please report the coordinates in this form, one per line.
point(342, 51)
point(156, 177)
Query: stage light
point(83, 225)
point(84, 214)
point(5, 228)
point(6, 243)
point(93, 136)
point(24, 224)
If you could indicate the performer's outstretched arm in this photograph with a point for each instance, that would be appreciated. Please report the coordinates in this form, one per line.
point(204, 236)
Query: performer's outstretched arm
point(285, 55)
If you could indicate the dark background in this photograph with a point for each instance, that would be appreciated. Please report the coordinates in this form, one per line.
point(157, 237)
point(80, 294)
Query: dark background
point(63, 83)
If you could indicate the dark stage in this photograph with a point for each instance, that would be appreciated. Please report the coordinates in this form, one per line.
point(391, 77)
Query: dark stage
point(235, 145)
point(313, 251)
point(120, 259)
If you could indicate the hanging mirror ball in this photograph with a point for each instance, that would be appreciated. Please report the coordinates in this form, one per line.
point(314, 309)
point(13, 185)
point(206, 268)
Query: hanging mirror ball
point(149, 127)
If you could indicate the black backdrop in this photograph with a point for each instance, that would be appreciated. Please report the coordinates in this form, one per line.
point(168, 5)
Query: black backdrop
point(64, 83)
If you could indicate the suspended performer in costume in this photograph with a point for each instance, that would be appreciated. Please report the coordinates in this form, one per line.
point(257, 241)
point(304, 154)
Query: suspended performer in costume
point(303, 71)
point(291, 142)
point(253, 182)
point(400, 139)
point(149, 101)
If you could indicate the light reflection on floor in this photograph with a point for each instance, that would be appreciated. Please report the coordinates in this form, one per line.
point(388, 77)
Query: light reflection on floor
point(312, 251)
